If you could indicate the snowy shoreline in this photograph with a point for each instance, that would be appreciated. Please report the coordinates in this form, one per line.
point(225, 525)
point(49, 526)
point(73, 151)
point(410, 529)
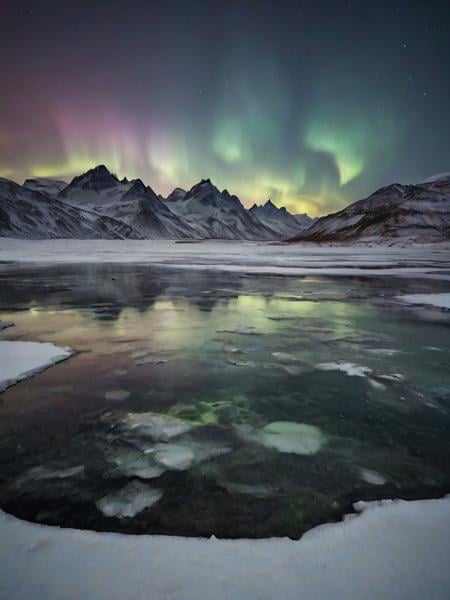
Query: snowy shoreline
point(432, 260)
point(391, 549)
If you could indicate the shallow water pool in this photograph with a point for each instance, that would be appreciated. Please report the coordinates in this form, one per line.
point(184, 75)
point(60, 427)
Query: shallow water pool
point(202, 403)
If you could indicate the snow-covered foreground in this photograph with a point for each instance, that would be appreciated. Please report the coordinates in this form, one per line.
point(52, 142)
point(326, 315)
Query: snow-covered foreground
point(393, 550)
point(19, 360)
point(250, 257)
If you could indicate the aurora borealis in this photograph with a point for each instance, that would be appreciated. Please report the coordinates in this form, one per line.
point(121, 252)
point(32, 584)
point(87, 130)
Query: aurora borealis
point(311, 104)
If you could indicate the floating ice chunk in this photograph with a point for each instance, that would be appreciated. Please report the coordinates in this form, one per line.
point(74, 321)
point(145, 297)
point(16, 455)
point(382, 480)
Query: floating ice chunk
point(138, 464)
point(117, 395)
point(129, 500)
point(40, 472)
point(437, 300)
point(292, 369)
point(174, 456)
point(346, 367)
point(159, 427)
point(384, 351)
point(284, 356)
point(228, 349)
point(19, 360)
point(291, 437)
point(372, 477)
point(395, 377)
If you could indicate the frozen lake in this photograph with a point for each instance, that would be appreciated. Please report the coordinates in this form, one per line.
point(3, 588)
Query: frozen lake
point(207, 402)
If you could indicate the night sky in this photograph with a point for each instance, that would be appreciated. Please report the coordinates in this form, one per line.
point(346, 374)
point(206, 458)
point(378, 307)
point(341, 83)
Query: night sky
point(313, 104)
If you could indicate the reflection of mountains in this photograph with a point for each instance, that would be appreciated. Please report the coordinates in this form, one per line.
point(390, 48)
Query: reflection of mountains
point(107, 289)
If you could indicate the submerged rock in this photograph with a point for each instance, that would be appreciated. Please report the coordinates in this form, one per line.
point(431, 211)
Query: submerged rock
point(117, 395)
point(6, 324)
point(259, 490)
point(41, 472)
point(129, 500)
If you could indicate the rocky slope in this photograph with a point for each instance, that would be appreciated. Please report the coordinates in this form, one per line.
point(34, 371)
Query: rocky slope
point(404, 213)
point(130, 202)
point(25, 213)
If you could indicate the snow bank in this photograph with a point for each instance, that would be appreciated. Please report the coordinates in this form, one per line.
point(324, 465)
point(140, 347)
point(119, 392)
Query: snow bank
point(393, 550)
point(438, 300)
point(239, 256)
point(19, 360)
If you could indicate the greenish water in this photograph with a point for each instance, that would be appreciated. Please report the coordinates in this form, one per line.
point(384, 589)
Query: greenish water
point(218, 398)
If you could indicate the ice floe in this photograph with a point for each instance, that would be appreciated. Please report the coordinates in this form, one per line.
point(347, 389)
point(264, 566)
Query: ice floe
point(135, 463)
point(160, 428)
point(293, 438)
point(436, 300)
point(383, 351)
point(348, 368)
point(285, 436)
point(173, 456)
point(19, 360)
point(372, 477)
point(129, 500)
point(394, 377)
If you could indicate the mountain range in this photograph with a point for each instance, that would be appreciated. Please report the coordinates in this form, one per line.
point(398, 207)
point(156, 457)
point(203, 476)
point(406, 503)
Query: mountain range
point(99, 205)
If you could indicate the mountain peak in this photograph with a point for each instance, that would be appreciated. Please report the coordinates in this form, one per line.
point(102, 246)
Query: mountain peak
point(204, 185)
point(97, 178)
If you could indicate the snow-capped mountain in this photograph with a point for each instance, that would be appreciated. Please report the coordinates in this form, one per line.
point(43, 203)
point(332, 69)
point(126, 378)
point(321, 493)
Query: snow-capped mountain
point(280, 220)
point(97, 204)
point(215, 214)
point(131, 202)
point(25, 213)
point(419, 213)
